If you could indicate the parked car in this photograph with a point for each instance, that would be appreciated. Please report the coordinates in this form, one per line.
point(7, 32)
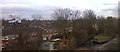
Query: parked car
point(48, 46)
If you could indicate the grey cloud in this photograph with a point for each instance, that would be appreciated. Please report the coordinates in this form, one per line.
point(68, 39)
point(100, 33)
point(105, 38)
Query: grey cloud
point(113, 10)
point(109, 4)
point(28, 11)
point(14, 2)
point(119, 9)
point(15, 9)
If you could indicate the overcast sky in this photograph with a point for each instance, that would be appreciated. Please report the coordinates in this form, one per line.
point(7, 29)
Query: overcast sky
point(26, 8)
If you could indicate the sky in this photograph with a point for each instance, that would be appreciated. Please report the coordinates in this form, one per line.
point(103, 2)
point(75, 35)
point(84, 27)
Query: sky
point(26, 8)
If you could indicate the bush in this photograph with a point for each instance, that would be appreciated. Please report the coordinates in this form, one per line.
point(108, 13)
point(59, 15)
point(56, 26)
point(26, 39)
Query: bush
point(81, 37)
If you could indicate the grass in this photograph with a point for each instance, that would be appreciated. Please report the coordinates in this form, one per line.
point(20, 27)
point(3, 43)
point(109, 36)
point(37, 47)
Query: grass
point(102, 38)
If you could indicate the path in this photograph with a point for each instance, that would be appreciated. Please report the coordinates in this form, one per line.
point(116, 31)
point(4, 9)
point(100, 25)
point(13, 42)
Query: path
point(103, 46)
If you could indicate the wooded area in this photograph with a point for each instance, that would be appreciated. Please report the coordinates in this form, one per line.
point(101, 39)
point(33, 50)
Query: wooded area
point(76, 27)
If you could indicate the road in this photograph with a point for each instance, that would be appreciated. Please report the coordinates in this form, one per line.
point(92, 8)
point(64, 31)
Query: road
point(103, 46)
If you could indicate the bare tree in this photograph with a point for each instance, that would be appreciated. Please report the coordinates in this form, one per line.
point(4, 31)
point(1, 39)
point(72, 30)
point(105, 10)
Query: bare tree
point(89, 14)
point(61, 14)
point(74, 19)
point(37, 17)
point(61, 17)
point(90, 18)
point(75, 14)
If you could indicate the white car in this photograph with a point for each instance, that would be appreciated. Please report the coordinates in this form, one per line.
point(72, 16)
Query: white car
point(48, 46)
